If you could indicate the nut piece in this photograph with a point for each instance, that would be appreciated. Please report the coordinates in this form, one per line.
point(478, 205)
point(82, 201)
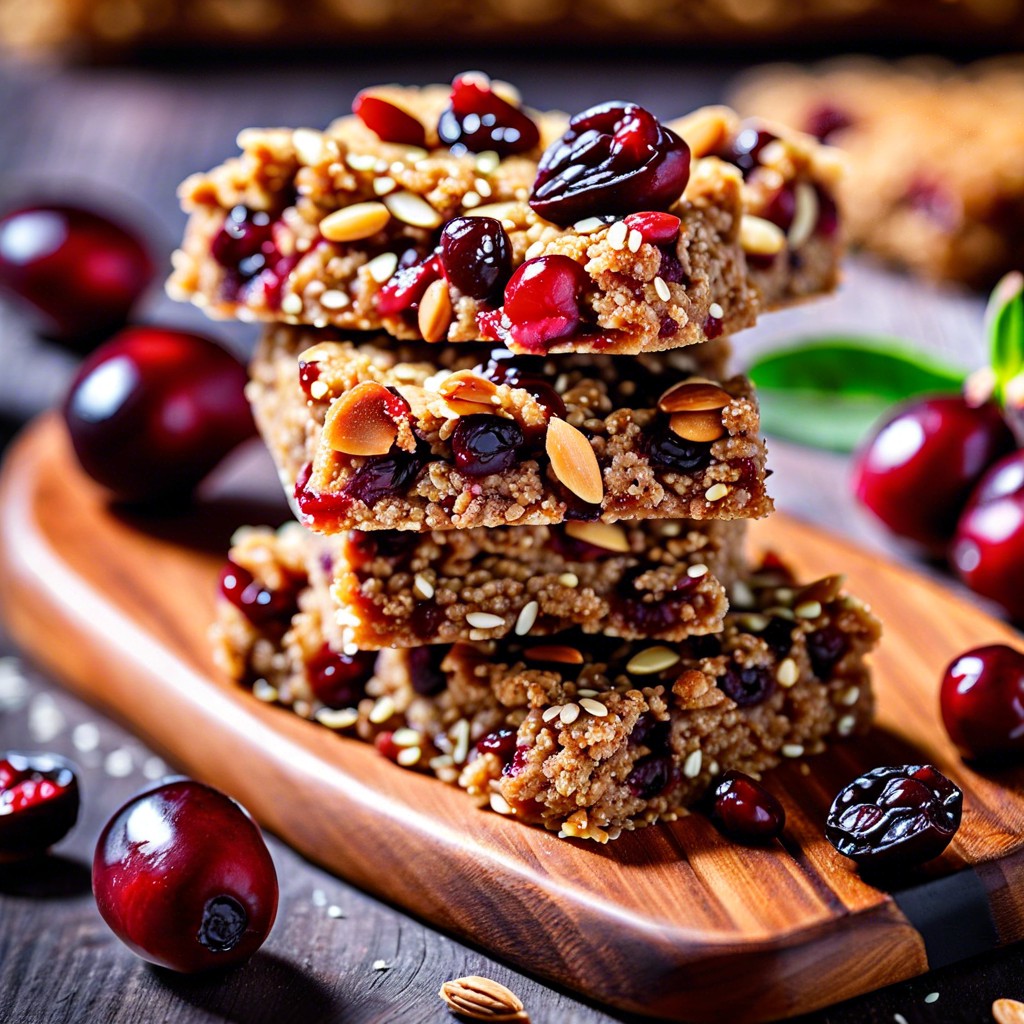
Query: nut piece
point(1008, 1011)
point(467, 386)
point(694, 396)
point(557, 653)
point(573, 461)
point(358, 422)
point(697, 426)
point(412, 209)
point(352, 223)
point(482, 999)
point(652, 660)
point(706, 130)
point(760, 237)
point(435, 313)
point(805, 216)
point(601, 535)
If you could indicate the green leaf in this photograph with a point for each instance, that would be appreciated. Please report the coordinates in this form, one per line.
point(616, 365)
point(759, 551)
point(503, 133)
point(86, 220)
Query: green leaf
point(1004, 325)
point(827, 392)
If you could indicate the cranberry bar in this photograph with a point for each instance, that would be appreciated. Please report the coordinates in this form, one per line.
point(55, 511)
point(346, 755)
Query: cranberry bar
point(457, 215)
point(438, 437)
point(585, 735)
point(935, 156)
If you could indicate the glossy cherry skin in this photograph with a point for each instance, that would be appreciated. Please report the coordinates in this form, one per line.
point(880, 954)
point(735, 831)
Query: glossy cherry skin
point(744, 811)
point(39, 802)
point(152, 411)
point(80, 271)
point(917, 470)
point(478, 119)
point(476, 256)
point(387, 120)
point(982, 702)
point(184, 879)
point(988, 548)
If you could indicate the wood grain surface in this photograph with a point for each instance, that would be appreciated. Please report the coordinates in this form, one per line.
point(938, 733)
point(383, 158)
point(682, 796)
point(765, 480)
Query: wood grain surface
point(673, 922)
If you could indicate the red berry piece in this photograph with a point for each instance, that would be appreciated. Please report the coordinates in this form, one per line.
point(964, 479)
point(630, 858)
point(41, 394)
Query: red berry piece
point(183, 878)
point(425, 669)
point(38, 803)
point(827, 120)
point(484, 444)
point(501, 742)
point(386, 745)
point(654, 775)
point(988, 548)
point(246, 248)
point(745, 149)
point(258, 603)
point(478, 120)
point(476, 256)
point(339, 680)
point(654, 227)
point(407, 286)
point(152, 411)
point(744, 811)
point(916, 471)
point(747, 685)
point(982, 702)
point(388, 120)
point(614, 158)
point(896, 816)
point(80, 271)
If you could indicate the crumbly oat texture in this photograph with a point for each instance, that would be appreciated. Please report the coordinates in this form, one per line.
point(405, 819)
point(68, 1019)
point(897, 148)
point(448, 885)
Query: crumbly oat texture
point(586, 736)
point(639, 295)
point(617, 454)
point(936, 155)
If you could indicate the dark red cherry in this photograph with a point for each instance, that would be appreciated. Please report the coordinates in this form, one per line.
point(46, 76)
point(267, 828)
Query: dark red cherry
point(425, 672)
point(484, 444)
point(80, 271)
point(653, 776)
point(38, 803)
point(747, 685)
point(258, 603)
point(339, 680)
point(476, 256)
point(744, 811)
point(246, 248)
point(825, 648)
point(183, 878)
point(988, 547)
point(745, 149)
point(152, 411)
point(917, 469)
point(614, 158)
point(654, 227)
point(388, 120)
point(501, 742)
point(982, 701)
point(826, 119)
point(897, 816)
point(478, 120)
point(381, 475)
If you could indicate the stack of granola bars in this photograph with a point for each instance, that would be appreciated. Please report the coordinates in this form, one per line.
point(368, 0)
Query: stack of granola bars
point(494, 380)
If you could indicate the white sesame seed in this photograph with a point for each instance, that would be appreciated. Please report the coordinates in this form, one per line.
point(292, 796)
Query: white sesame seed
point(807, 610)
point(661, 287)
point(716, 311)
point(634, 240)
point(383, 185)
point(846, 725)
point(569, 714)
point(361, 161)
point(527, 617)
point(792, 750)
point(422, 587)
point(382, 710)
point(409, 756)
point(383, 266)
point(692, 764)
point(850, 696)
point(932, 997)
point(343, 718)
point(569, 579)
point(787, 673)
point(483, 187)
point(741, 596)
point(460, 731)
point(334, 299)
point(381, 965)
point(551, 713)
point(487, 162)
point(617, 235)
point(500, 804)
point(535, 250)
point(405, 737)
point(587, 693)
point(588, 225)
point(334, 911)
point(652, 660)
point(696, 571)
point(754, 622)
point(716, 492)
point(484, 620)
point(594, 707)
point(471, 199)
point(262, 690)
point(318, 390)
point(713, 768)
point(291, 305)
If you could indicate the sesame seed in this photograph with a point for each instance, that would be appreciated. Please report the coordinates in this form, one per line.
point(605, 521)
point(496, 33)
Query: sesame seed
point(382, 710)
point(587, 693)
point(662, 288)
point(692, 764)
point(787, 673)
point(409, 756)
point(487, 162)
point(932, 997)
point(318, 390)
point(634, 240)
point(483, 187)
point(594, 707)
point(588, 225)
point(569, 579)
point(383, 185)
point(850, 696)
point(335, 911)
point(846, 725)
point(754, 622)
point(807, 610)
point(741, 596)
point(291, 305)
point(696, 571)
point(383, 266)
point(617, 235)
point(361, 161)
point(405, 737)
point(527, 617)
point(569, 714)
point(262, 690)
point(471, 199)
point(792, 750)
point(551, 713)
point(716, 492)
point(484, 620)
point(500, 804)
point(342, 719)
point(422, 587)
point(713, 768)
point(334, 299)
point(716, 311)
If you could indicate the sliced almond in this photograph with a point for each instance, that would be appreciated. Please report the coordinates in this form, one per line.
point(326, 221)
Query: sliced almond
point(601, 535)
point(706, 130)
point(694, 396)
point(412, 209)
point(352, 223)
point(558, 653)
point(1008, 1011)
point(467, 386)
point(805, 215)
point(358, 422)
point(760, 237)
point(482, 999)
point(573, 461)
point(435, 312)
point(697, 426)
point(652, 660)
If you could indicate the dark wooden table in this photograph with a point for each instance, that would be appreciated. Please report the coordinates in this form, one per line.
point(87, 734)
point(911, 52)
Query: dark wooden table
point(124, 138)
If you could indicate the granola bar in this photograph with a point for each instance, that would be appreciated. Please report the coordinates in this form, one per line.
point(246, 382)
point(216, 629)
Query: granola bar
point(344, 229)
point(418, 437)
point(935, 155)
point(584, 735)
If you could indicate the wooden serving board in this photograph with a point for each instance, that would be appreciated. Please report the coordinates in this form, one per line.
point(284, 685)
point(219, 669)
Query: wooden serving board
point(671, 921)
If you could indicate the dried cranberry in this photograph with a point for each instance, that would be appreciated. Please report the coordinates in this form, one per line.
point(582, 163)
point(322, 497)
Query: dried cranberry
point(778, 635)
point(381, 475)
point(386, 745)
point(825, 120)
point(425, 671)
point(79, 270)
point(388, 121)
point(476, 256)
point(713, 327)
point(478, 120)
point(670, 270)
point(339, 680)
point(500, 742)
point(485, 444)
point(183, 877)
point(647, 616)
point(652, 733)
point(744, 811)
point(781, 207)
point(38, 802)
point(407, 285)
point(507, 371)
point(517, 764)
point(654, 227)
point(614, 158)
point(667, 449)
point(935, 202)
point(259, 604)
point(747, 685)
point(653, 775)
point(244, 241)
point(309, 374)
point(825, 647)
point(895, 816)
point(745, 149)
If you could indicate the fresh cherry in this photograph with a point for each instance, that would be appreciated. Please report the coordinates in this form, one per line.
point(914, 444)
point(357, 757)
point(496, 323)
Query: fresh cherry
point(184, 879)
point(982, 702)
point(388, 120)
point(988, 547)
point(478, 120)
point(476, 256)
point(258, 603)
point(339, 680)
point(484, 444)
point(38, 803)
point(614, 158)
point(79, 270)
point(917, 469)
point(744, 811)
point(902, 815)
point(152, 411)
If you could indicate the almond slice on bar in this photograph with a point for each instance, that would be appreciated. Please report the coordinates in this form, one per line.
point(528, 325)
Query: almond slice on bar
point(573, 461)
point(358, 422)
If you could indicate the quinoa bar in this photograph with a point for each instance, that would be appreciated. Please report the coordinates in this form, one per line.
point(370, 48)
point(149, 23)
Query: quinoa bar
point(408, 217)
point(935, 156)
point(410, 436)
point(584, 735)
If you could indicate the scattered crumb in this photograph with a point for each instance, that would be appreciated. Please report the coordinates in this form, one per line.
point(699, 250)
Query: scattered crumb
point(155, 768)
point(335, 911)
point(85, 736)
point(932, 997)
point(381, 965)
point(899, 1018)
point(13, 685)
point(119, 763)
point(319, 898)
point(45, 720)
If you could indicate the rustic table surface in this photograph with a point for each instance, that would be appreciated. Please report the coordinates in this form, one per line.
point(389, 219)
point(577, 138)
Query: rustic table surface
point(123, 138)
